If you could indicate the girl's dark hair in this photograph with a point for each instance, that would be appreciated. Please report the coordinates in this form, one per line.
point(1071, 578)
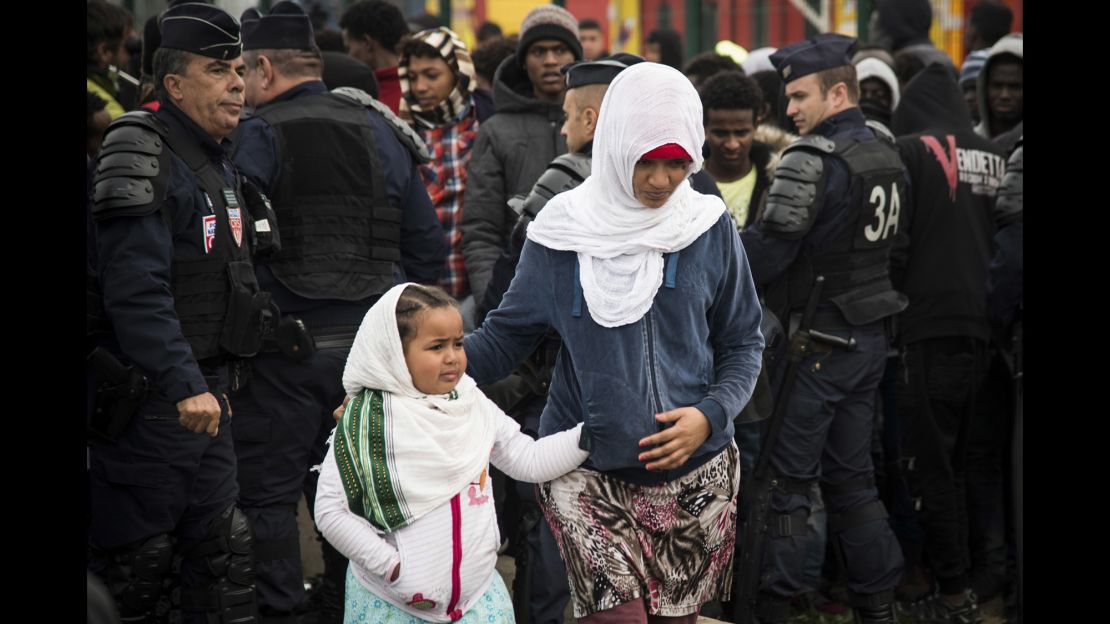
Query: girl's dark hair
point(414, 301)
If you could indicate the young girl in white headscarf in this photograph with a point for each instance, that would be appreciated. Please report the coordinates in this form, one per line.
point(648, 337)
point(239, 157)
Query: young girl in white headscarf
point(647, 283)
point(404, 490)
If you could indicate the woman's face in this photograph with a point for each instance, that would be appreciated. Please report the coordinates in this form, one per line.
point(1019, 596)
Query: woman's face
point(654, 180)
point(431, 81)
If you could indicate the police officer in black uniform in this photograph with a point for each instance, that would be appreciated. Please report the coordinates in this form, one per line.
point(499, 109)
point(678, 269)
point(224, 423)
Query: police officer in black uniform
point(174, 243)
point(356, 219)
point(832, 211)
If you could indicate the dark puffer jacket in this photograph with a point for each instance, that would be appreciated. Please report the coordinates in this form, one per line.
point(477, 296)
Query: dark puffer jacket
point(511, 151)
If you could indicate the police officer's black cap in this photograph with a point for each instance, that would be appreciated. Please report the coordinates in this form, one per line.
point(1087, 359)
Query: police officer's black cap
point(825, 51)
point(285, 27)
point(248, 20)
point(201, 29)
point(600, 71)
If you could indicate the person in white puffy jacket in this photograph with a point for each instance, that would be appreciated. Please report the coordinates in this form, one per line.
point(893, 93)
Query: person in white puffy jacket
point(404, 490)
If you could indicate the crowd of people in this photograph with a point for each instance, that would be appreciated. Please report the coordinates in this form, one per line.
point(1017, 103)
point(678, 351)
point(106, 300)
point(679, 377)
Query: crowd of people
point(737, 336)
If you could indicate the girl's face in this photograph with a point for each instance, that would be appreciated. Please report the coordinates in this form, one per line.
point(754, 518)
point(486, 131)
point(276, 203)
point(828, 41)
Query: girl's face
point(435, 356)
point(431, 81)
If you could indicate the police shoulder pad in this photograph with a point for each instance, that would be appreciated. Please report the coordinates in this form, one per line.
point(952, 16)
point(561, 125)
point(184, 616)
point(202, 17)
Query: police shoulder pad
point(132, 167)
point(881, 132)
point(402, 130)
point(812, 142)
point(575, 164)
point(796, 192)
point(562, 174)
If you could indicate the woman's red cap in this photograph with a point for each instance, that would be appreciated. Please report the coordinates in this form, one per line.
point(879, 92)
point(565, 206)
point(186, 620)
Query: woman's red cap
point(667, 152)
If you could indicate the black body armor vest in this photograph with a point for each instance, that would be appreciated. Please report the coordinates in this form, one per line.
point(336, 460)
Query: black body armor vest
point(856, 264)
point(216, 296)
point(340, 237)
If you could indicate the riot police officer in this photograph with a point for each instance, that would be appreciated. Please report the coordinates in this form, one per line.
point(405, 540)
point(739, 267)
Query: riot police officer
point(830, 217)
point(342, 179)
point(174, 243)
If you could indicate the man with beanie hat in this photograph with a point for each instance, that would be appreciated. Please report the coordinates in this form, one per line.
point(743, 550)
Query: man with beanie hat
point(514, 146)
point(358, 219)
point(969, 81)
point(820, 252)
point(175, 237)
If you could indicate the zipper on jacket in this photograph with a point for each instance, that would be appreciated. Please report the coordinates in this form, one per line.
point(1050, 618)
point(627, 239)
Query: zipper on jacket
point(653, 383)
point(456, 559)
point(576, 306)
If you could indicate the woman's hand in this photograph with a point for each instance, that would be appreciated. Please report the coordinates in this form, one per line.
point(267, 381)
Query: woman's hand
point(679, 441)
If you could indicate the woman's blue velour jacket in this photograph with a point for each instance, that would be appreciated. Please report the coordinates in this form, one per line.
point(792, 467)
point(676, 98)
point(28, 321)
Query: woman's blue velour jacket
point(699, 345)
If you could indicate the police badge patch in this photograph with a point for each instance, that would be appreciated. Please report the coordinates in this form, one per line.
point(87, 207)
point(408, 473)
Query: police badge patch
point(209, 232)
point(234, 216)
point(236, 221)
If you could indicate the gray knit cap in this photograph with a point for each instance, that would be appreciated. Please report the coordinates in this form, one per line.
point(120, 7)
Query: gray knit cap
point(973, 64)
point(548, 22)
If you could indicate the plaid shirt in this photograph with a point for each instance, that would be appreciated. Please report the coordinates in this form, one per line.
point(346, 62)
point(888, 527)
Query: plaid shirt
point(445, 179)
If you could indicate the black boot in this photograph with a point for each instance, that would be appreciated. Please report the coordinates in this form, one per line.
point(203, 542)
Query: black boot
point(933, 609)
point(882, 614)
point(874, 608)
point(333, 586)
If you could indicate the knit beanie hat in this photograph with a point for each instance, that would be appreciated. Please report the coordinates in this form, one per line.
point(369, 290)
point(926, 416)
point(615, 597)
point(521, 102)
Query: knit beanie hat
point(548, 22)
point(973, 64)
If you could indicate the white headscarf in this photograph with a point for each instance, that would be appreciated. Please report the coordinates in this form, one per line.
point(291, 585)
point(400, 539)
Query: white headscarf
point(620, 243)
point(434, 445)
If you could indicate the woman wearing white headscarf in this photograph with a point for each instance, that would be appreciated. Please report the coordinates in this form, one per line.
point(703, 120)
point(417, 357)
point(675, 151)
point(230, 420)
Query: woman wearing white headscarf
point(647, 283)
